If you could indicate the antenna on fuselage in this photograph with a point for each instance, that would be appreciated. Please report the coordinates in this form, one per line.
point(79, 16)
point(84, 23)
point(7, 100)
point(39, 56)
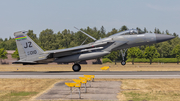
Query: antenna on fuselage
point(86, 34)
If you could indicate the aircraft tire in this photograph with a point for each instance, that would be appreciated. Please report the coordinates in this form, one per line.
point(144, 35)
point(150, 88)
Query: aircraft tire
point(76, 67)
point(123, 63)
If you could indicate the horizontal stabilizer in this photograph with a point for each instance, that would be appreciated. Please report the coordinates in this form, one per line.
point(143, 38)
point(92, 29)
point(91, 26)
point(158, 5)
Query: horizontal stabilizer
point(24, 62)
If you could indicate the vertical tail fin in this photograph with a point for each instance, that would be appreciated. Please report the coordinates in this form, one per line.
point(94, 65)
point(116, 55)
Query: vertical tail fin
point(27, 48)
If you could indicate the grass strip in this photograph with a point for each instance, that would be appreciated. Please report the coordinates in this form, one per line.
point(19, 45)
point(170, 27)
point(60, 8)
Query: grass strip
point(150, 90)
point(23, 89)
point(17, 96)
point(155, 60)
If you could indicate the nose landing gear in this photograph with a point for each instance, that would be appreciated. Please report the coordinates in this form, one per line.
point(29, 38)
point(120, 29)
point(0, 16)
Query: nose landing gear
point(123, 62)
point(123, 52)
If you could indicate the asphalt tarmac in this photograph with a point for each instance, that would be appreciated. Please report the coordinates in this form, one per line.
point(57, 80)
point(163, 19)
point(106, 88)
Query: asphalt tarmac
point(99, 90)
point(98, 74)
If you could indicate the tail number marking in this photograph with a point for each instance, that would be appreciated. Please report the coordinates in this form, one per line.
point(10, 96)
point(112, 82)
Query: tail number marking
point(28, 44)
point(32, 52)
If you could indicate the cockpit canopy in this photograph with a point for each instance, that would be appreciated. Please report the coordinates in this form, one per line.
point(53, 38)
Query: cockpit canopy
point(129, 32)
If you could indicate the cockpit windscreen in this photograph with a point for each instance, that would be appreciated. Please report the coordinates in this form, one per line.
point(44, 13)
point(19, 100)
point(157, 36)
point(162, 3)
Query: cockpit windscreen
point(129, 32)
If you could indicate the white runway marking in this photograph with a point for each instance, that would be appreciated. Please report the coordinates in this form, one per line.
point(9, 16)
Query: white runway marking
point(96, 76)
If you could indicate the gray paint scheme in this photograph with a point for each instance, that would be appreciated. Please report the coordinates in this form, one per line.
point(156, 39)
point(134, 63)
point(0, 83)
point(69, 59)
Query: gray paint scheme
point(92, 50)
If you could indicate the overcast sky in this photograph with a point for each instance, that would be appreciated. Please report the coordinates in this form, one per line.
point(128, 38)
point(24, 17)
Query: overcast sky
point(38, 15)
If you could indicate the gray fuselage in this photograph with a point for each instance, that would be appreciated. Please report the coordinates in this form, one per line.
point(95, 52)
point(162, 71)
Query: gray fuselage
point(112, 43)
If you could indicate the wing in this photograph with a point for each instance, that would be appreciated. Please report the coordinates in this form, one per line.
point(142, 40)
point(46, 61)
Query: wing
point(76, 50)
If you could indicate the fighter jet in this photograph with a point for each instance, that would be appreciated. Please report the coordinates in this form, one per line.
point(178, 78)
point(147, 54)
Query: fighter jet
point(31, 53)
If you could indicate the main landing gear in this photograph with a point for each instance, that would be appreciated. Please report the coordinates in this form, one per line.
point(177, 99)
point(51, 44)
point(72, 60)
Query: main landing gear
point(123, 52)
point(76, 67)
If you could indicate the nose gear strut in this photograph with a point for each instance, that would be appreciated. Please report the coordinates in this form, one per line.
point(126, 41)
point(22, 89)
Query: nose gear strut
point(123, 52)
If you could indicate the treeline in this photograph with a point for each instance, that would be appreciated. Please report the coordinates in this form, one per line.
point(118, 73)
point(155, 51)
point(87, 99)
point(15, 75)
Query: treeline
point(48, 40)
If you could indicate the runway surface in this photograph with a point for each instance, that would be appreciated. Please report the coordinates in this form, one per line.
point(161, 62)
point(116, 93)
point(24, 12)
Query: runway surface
point(98, 74)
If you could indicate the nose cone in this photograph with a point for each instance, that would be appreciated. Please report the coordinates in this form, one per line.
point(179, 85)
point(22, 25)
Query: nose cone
point(162, 37)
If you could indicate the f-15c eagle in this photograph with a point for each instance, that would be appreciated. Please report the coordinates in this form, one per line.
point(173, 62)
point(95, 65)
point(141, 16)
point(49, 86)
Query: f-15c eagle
point(31, 53)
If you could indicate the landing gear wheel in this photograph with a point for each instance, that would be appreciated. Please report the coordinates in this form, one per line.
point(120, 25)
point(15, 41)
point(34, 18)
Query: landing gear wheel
point(123, 52)
point(76, 67)
point(123, 63)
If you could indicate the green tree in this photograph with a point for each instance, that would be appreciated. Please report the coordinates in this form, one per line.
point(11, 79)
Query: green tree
point(93, 32)
point(164, 49)
point(174, 34)
point(103, 32)
point(10, 44)
point(15, 54)
point(162, 32)
point(123, 28)
point(133, 53)
point(1, 39)
point(114, 30)
point(67, 38)
point(176, 51)
point(33, 36)
point(47, 39)
point(113, 56)
point(145, 30)
point(151, 53)
point(3, 54)
point(3, 45)
point(79, 37)
point(5, 39)
point(157, 31)
point(139, 29)
point(167, 32)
